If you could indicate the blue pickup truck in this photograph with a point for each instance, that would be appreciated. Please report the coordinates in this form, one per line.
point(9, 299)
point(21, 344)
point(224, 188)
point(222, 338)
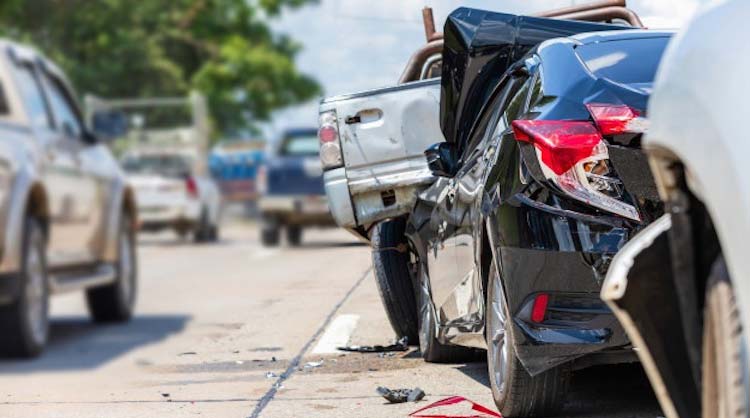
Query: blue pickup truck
point(291, 186)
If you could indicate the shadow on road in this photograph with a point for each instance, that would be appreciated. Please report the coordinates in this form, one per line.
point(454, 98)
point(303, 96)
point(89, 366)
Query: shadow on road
point(613, 391)
point(76, 343)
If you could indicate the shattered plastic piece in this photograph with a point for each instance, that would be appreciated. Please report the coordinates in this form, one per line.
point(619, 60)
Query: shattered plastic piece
point(400, 345)
point(401, 395)
point(270, 375)
point(477, 411)
point(313, 364)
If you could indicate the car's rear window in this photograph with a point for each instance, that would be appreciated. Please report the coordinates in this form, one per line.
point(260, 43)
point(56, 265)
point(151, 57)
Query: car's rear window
point(166, 165)
point(627, 61)
point(300, 145)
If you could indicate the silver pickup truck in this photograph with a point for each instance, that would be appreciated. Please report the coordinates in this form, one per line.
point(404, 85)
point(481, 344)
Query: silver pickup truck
point(372, 150)
point(67, 216)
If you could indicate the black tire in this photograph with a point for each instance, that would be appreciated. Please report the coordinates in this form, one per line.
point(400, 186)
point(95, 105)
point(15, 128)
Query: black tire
point(433, 351)
point(390, 259)
point(23, 334)
point(116, 302)
point(202, 231)
point(724, 360)
point(294, 235)
point(270, 232)
point(213, 234)
point(515, 392)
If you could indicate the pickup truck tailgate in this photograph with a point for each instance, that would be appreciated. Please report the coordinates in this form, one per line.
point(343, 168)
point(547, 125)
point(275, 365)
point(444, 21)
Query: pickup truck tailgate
point(383, 135)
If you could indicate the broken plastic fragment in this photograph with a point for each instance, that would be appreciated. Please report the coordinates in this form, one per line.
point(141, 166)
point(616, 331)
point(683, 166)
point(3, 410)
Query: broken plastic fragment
point(441, 409)
point(401, 395)
point(400, 345)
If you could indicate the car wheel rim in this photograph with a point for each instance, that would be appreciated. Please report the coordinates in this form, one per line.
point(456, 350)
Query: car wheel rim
point(425, 314)
point(36, 295)
point(498, 341)
point(126, 268)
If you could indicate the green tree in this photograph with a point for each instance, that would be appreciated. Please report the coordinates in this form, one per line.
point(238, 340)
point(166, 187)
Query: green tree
point(142, 48)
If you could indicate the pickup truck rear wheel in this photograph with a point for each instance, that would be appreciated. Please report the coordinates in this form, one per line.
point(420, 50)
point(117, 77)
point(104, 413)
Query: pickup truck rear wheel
point(294, 235)
point(515, 391)
point(724, 357)
point(390, 259)
point(115, 302)
point(270, 232)
point(24, 324)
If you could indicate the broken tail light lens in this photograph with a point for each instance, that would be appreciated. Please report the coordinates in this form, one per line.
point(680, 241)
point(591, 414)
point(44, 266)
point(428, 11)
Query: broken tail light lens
point(330, 143)
point(573, 155)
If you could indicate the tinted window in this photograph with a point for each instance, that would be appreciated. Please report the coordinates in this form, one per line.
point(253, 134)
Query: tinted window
point(624, 61)
point(168, 165)
point(28, 86)
point(300, 145)
point(63, 109)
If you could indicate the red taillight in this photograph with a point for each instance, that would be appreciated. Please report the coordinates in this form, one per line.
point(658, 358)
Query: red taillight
point(561, 144)
point(539, 309)
point(327, 133)
point(615, 119)
point(191, 186)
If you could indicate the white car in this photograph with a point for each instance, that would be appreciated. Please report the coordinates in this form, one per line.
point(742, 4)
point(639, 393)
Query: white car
point(172, 195)
point(690, 318)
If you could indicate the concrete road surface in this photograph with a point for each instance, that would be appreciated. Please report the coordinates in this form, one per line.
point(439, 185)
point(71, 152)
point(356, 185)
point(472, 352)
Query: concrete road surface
point(234, 330)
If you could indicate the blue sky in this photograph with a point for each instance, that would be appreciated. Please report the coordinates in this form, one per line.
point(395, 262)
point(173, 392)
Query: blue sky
point(353, 45)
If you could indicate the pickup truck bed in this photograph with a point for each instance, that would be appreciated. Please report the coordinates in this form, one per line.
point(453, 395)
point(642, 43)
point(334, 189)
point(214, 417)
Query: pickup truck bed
point(383, 135)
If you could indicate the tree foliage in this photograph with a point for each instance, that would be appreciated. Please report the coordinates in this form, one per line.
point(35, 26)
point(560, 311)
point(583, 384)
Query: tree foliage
point(142, 48)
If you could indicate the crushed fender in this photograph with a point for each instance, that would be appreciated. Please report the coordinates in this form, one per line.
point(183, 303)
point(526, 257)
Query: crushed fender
point(442, 409)
point(401, 395)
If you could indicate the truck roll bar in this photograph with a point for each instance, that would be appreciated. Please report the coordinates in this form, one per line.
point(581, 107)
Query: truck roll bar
point(597, 11)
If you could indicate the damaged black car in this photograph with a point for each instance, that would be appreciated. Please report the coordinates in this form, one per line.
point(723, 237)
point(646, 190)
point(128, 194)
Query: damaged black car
point(541, 180)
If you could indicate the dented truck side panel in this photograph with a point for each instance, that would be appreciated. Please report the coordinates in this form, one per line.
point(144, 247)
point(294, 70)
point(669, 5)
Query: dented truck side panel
point(383, 136)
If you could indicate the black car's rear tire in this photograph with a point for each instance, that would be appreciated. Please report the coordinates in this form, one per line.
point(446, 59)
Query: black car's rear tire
point(115, 302)
point(24, 324)
point(724, 394)
point(294, 235)
point(390, 259)
point(515, 391)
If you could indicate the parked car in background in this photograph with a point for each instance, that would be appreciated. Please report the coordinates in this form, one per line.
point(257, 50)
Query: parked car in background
point(681, 287)
point(172, 195)
point(69, 216)
point(291, 187)
point(164, 148)
point(234, 165)
point(541, 181)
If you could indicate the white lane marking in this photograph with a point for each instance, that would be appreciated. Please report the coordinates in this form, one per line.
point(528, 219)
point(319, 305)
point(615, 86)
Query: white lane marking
point(265, 253)
point(337, 335)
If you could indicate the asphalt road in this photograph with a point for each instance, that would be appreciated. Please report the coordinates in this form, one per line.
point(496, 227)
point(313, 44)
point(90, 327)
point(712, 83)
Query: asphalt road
point(234, 330)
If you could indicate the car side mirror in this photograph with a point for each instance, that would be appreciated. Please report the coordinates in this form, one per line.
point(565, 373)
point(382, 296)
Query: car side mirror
point(442, 159)
point(89, 137)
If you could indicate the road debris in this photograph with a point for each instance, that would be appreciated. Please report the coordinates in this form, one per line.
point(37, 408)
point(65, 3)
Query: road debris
point(447, 408)
point(271, 375)
point(313, 364)
point(400, 345)
point(401, 395)
point(187, 353)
